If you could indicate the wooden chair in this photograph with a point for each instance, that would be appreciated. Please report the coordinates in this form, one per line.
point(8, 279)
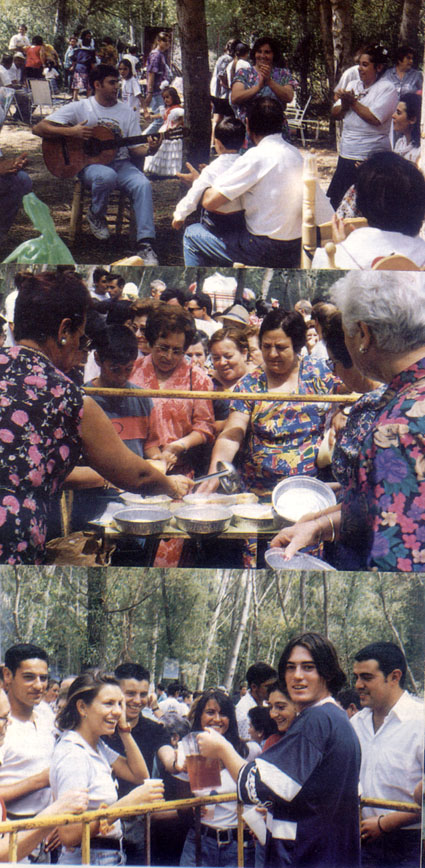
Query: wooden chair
point(119, 204)
point(315, 235)
point(395, 262)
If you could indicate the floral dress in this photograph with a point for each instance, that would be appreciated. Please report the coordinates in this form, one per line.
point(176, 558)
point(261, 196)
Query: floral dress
point(383, 510)
point(249, 78)
point(283, 437)
point(40, 416)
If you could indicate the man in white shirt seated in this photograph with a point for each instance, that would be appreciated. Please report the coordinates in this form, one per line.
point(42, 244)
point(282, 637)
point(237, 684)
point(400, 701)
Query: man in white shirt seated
point(390, 194)
point(390, 731)
point(268, 178)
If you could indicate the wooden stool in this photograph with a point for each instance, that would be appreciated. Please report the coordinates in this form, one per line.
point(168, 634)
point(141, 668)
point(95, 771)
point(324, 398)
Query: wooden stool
point(119, 203)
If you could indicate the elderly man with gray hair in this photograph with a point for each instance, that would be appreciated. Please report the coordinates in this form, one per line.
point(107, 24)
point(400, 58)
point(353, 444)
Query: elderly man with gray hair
point(381, 518)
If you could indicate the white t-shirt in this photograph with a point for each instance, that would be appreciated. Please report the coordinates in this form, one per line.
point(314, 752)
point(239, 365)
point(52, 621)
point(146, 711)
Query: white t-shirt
point(359, 138)
point(365, 245)
point(207, 178)
point(269, 178)
point(350, 74)
point(130, 88)
point(119, 118)
point(27, 751)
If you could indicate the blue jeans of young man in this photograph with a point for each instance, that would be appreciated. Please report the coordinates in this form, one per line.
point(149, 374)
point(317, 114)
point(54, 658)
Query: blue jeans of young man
point(215, 855)
point(121, 175)
point(155, 105)
point(12, 189)
point(97, 857)
point(202, 247)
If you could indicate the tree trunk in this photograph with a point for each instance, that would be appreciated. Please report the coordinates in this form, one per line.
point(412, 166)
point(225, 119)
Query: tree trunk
point(196, 79)
point(409, 26)
point(96, 617)
point(325, 14)
point(61, 26)
point(246, 584)
point(167, 615)
point(213, 628)
point(397, 637)
point(341, 35)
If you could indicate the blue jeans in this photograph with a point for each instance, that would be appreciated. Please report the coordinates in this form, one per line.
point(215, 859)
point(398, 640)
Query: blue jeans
point(97, 857)
point(121, 175)
point(202, 247)
point(12, 189)
point(155, 105)
point(213, 854)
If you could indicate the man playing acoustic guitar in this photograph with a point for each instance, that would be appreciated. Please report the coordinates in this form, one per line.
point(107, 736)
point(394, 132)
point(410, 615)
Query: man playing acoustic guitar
point(73, 124)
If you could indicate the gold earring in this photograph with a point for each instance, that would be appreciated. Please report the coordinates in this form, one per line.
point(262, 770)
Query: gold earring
point(63, 342)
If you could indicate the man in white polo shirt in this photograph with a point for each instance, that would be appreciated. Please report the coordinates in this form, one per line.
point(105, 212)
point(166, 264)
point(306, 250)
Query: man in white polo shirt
point(269, 180)
point(390, 731)
point(29, 741)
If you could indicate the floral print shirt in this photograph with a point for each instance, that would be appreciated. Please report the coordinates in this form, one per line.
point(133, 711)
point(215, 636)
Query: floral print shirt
point(40, 416)
point(283, 437)
point(384, 506)
point(249, 78)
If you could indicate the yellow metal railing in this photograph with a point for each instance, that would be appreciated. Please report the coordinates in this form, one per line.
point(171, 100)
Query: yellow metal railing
point(13, 827)
point(310, 398)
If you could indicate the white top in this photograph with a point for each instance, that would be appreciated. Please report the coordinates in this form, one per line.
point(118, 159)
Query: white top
point(27, 750)
point(206, 179)
point(350, 74)
point(240, 64)
point(130, 89)
point(9, 308)
point(242, 707)
point(269, 180)
point(205, 325)
point(119, 118)
point(18, 41)
point(76, 765)
point(407, 149)
point(365, 245)
point(359, 138)
point(392, 757)
point(6, 76)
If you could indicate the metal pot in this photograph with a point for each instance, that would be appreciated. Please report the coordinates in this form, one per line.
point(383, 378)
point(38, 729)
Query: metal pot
point(207, 520)
point(142, 520)
point(254, 516)
point(295, 496)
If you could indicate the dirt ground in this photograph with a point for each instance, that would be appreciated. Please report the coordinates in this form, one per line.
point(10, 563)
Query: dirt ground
point(57, 194)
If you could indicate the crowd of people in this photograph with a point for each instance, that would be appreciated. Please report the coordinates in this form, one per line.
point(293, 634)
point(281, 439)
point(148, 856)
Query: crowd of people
point(367, 337)
point(250, 195)
point(293, 742)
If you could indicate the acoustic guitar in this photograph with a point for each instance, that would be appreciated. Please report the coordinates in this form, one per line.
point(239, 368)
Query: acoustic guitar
point(65, 156)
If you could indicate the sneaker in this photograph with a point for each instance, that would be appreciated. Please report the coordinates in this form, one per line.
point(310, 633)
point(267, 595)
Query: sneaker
point(147, 253)
point(98, 226)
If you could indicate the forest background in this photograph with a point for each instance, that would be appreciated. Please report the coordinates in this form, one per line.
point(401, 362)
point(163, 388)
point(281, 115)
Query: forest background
point(213, 624)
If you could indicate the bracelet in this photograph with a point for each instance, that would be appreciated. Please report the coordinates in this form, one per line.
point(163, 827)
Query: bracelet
point(332, 539)
point(383, 831)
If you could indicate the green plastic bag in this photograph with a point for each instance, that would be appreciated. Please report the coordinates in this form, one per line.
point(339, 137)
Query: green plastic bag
point(48, 248)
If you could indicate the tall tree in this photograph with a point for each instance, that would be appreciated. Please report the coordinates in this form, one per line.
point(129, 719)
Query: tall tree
point(341, 35)
point(196, 78)
point(409, 25)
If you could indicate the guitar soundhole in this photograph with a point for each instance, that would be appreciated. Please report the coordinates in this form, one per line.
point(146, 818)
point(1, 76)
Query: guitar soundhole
point(92, 147)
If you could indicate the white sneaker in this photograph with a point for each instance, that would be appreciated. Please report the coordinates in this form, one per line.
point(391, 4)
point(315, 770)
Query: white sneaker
point(147, 253)
point(98, 226)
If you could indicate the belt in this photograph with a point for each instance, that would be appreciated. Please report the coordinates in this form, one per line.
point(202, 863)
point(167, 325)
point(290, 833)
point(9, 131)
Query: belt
point(105, 844)
point(223, 836)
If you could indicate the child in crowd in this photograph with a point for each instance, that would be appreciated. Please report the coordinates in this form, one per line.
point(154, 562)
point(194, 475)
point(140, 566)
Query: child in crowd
point(167, 161)
point(229, 136)
point(51, 75)
point(130, 90)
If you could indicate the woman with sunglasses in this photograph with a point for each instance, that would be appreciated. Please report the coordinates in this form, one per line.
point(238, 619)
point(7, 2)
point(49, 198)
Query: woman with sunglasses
point(46, 423)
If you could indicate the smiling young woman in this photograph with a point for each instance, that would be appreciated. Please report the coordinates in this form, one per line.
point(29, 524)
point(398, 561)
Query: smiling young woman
point(95, 708)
